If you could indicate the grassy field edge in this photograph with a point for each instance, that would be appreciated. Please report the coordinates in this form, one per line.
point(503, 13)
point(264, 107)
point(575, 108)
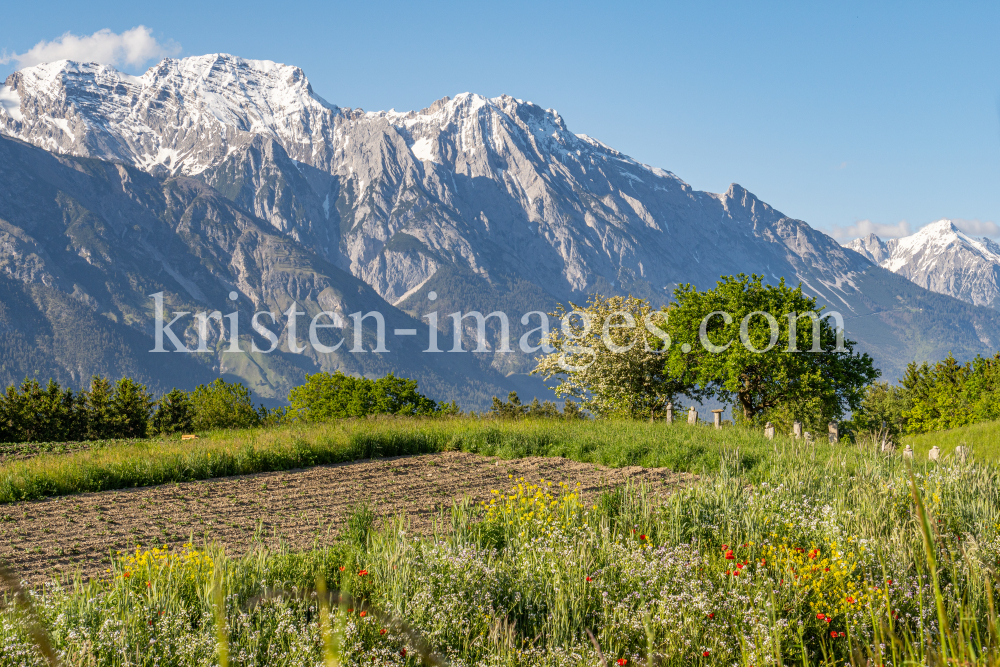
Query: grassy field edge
point(229, 453)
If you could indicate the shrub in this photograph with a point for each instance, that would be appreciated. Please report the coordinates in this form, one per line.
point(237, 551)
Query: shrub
point(222, 404)
point(328, 396)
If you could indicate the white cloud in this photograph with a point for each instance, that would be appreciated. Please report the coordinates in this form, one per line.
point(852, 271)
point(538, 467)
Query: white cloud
point(978, 227)
point(866, 227)
point(131, 48)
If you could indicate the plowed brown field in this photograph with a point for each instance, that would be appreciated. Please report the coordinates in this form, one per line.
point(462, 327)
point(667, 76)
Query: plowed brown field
point(300, 507)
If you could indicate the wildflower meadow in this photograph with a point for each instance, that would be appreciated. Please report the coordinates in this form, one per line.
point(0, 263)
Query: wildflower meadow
point(824, 555)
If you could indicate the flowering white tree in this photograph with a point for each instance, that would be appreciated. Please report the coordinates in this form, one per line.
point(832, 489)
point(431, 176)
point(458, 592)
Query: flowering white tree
point(608, 354)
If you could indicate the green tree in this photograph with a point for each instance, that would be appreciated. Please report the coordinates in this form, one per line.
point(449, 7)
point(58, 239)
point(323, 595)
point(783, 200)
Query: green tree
point(391, 395)
point(883, 409)
point(744, 357)
point(571, 410)
point(545, 410)
point(131, 406)
point(512, 408)
point(608, 355)
point(949, 394)
point(329, 396)
point(174, 413)
point(222, 404)
point(31, 413)
point(100, 414)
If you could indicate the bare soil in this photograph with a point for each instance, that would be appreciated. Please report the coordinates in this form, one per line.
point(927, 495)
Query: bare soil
point(302, 508)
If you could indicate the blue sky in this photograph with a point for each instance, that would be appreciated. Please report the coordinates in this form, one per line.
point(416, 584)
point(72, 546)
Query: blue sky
point(852, 117)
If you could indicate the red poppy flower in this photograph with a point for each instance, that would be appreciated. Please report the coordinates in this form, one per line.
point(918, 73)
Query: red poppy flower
point(363, 614)
point(828, 619)
point(642, 537)
point(704, 654)
point(402, 652)
point(342, 568)
point(589, 579)
point(889, 581)
point(382, 631)
point(826, 570)
point(725, 546)
point(736, 573)
point(711, 615)
point(621, 662)
point(820, 616)
point(729, 555)
point(850, 600)
point(833, 633)
point(350, 611)
point(362, 573)
point(739, 566)
point(763, 561)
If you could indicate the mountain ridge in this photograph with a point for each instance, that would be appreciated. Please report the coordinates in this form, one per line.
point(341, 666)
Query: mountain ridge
point(489, 202)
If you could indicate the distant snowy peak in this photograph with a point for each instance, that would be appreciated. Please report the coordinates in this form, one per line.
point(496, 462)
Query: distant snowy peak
point(872, 247)
point(181, 115)
point(941, 258)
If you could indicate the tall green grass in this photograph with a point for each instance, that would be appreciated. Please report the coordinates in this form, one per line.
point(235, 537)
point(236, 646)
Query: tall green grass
point(983, 439)
point(226, 453)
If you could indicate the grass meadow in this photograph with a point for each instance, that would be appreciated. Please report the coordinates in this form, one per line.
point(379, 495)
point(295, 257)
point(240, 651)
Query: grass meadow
point(782, 553)
point(983, 439)
point(224, 453)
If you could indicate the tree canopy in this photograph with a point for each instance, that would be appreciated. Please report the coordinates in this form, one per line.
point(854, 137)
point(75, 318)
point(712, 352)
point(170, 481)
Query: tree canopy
point(608, 354)
point(766, 349)
point(327, 396)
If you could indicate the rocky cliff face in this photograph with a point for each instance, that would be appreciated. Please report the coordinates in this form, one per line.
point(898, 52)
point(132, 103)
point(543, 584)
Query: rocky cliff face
point(488, 186)
point(490, 202)
point(943, 259)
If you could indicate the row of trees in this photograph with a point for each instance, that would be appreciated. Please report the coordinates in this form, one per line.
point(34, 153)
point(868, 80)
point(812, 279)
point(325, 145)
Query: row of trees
point(735, 343)
point(513, 408)
point(933, 397)
point(124, 409)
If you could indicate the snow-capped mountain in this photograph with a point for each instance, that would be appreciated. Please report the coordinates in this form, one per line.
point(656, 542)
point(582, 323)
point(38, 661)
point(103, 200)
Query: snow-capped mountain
point(941, 258)
point(491, 202)
point(488, 187)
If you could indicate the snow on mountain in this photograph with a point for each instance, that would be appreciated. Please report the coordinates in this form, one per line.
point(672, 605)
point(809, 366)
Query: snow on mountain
point(487, 186)
point(941, 258)
point(181, 116)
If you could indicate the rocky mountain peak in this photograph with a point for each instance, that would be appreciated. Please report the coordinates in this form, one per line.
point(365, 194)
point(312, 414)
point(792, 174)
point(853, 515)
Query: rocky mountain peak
point(180, 116)
point(872, 247)
point(942, 258)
